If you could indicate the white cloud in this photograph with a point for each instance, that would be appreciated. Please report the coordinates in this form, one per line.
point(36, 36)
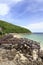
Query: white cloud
point(38, 0)
point(35, 9)
point(35, 6)
point(13, 1)
point(4, 9)
point(16, 0)
point(35, 27)
point(10, 1)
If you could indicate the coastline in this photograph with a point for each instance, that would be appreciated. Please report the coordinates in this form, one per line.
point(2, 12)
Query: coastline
point(21, 51)
point(20, 36)
point(34, 36)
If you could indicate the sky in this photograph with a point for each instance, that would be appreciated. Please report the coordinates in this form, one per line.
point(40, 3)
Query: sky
point(25, 13)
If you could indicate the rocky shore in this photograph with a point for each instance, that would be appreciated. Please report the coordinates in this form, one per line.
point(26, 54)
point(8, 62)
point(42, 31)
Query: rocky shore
point(20, 51)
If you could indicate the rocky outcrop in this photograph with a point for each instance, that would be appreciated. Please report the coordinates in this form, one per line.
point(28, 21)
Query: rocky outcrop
point(20, 51)
point(41, 54)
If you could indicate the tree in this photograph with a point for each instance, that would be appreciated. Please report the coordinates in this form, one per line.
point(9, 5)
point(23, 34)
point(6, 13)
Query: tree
point(1, 31)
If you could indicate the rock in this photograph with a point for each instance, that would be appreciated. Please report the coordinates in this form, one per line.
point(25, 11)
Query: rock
point(20, 51)
point(41, 54)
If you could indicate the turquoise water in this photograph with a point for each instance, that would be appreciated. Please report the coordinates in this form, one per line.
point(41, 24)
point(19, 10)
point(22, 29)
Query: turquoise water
point(35, 37)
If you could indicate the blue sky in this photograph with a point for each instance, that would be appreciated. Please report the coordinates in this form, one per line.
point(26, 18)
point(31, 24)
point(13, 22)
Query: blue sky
point(25, 13)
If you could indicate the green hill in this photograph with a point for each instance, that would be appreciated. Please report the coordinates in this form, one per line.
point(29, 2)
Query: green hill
point(6, 27)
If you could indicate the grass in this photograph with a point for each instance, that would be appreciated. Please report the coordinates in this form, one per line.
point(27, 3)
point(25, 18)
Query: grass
point(10, 28)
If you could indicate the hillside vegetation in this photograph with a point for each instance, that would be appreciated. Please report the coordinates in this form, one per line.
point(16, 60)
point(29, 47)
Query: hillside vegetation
point(10, 28)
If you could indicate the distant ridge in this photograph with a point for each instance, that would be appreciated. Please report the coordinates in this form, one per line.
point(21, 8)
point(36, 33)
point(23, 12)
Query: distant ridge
point(38, 33)
point(10, 28)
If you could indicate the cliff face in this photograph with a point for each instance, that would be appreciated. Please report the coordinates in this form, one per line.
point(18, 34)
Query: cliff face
point(19, 51)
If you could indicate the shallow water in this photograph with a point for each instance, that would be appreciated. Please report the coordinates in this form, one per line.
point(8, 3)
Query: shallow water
point(35, 36)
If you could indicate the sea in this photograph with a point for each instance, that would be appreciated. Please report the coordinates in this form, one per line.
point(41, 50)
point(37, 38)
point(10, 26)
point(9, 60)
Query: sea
point(34, 36)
